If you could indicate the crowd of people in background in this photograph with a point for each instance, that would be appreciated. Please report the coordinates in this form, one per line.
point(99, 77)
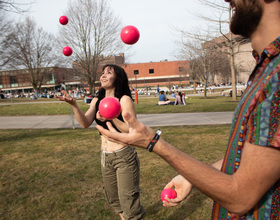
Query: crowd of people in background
point(79, 92)
point(74, 91)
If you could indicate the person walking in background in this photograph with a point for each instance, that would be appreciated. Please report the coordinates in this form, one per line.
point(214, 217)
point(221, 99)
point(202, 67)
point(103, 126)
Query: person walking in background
point(119, 163)
point(157, 93)
point(245, 184)
point(180, 99)
point(63, 86)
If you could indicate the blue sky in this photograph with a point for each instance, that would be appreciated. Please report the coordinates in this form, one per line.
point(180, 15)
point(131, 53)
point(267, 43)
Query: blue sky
point(153, 18)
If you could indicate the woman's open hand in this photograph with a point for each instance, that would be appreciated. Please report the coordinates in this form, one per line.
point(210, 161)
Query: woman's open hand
point(66, 98)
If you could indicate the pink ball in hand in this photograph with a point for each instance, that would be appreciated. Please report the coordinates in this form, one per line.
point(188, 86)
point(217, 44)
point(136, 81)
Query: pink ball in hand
point(109, 108)
point(170, 193)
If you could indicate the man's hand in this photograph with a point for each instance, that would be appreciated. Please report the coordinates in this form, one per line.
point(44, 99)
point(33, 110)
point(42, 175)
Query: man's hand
point(139, 135)
point(182, 187)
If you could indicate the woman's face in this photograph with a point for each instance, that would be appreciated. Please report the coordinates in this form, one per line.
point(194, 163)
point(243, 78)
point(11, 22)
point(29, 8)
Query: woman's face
point(107, 78)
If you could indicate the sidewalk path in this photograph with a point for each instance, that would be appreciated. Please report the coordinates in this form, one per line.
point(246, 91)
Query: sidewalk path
point(152, 120)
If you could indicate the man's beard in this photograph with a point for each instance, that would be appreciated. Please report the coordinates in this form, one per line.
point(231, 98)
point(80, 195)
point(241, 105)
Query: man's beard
point(246, 19)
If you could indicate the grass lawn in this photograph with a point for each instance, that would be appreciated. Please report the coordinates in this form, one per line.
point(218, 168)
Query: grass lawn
point(146, 105)
point(55, 174)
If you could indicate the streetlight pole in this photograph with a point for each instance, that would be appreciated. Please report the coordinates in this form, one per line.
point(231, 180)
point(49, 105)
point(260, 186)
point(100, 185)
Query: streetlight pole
point(136, 80)
point(136, 91)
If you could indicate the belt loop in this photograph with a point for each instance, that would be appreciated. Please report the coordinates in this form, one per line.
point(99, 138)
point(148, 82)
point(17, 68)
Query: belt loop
point(103, 158)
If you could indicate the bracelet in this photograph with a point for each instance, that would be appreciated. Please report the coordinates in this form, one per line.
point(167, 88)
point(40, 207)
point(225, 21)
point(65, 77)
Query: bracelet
point(154, 141)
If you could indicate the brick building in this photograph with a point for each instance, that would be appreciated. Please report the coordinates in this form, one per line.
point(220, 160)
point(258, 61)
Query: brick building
point(157, 73)
point(139, 75)
point(19, 79)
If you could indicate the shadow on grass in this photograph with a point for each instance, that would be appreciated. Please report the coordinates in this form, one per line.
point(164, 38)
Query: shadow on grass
point(187, 208)
point(192, 205)
point(23, 134)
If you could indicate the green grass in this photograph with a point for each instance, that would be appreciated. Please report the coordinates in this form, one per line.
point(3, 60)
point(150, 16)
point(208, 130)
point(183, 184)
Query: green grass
point(55, 174)
point(194, 104)
point(146, 105)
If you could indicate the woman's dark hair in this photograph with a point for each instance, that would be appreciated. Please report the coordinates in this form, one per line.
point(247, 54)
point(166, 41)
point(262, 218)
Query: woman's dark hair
point(120, 84)
point(180, 94)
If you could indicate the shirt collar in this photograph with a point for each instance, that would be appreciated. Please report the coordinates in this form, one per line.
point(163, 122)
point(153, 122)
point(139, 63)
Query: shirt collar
point(270, 51)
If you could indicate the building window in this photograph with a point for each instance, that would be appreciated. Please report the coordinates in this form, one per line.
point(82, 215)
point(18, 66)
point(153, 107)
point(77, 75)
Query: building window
point(151, 71)
point(13, 81)
point(51, 79)
point(136, 72)
point(181, 69)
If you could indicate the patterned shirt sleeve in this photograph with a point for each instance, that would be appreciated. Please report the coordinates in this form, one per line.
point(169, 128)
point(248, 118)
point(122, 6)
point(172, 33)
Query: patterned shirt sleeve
point(264, 120)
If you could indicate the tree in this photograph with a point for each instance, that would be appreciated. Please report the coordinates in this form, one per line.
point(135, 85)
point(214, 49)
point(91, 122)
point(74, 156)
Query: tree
point(12, 6)
point(222, 67)
point(93, 33)
point(201, 57)
point(231, 42)
point(29, 47)
point(189, 54)
point(6, 7)
point(4, 28)
point(205, 64)
point(228, 44)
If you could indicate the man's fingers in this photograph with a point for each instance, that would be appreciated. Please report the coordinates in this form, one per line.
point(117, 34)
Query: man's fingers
point(110, 126)
point(130, 119)
point(111, 136)
point(169, 185)
point(171, 202)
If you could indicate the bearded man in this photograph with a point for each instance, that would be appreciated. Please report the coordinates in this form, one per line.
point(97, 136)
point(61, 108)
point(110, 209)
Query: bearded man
point(245, 184)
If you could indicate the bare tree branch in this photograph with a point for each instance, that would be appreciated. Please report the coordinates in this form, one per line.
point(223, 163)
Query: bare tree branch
point(13, 6)
point(28, 47)
point(93, 32)
point(228, 44)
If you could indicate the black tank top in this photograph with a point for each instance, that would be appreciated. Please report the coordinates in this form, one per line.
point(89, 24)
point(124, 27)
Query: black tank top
point(103, 123)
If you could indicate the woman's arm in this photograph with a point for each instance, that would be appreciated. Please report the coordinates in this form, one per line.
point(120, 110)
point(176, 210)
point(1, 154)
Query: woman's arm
point(84, 119)
point(176, 101)
point(183, 99)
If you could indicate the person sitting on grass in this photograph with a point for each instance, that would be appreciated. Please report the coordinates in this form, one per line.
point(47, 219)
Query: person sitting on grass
point(180, 99)
point(162, 99)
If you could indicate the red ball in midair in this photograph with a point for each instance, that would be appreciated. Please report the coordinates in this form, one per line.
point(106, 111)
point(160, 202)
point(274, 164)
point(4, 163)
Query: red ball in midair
point(67, 51)
point(63, 20)
point(130, 34)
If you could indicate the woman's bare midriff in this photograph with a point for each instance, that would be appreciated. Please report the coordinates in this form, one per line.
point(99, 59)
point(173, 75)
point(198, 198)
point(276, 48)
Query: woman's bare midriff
point(109, 146)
